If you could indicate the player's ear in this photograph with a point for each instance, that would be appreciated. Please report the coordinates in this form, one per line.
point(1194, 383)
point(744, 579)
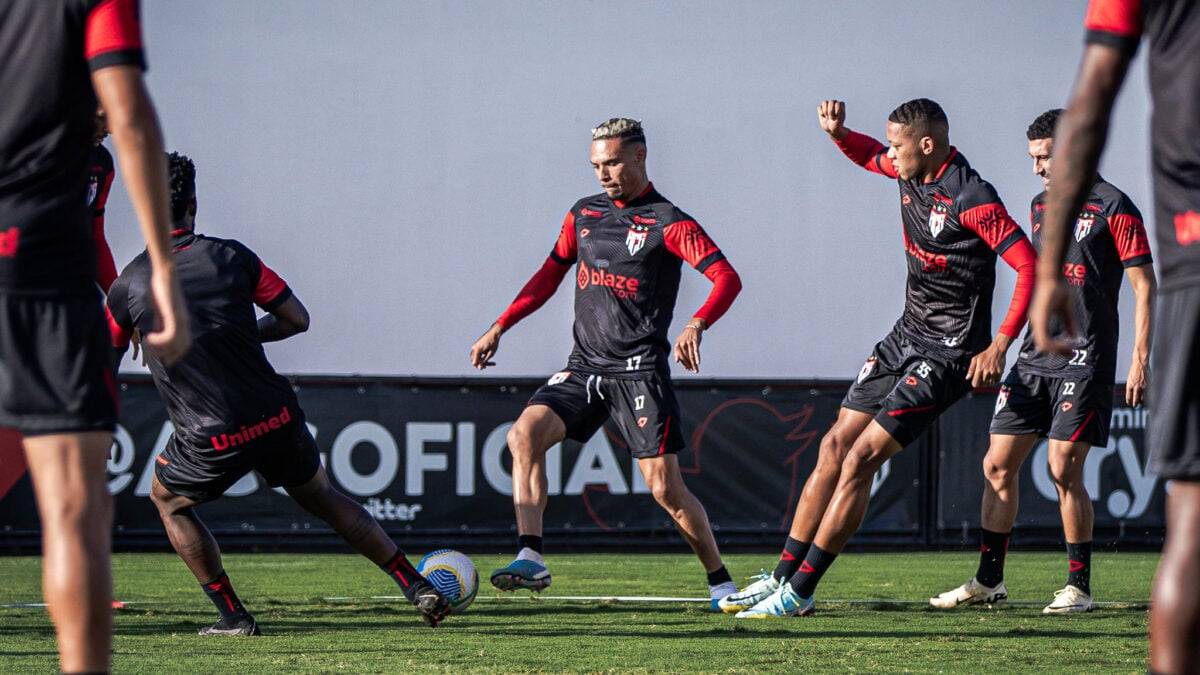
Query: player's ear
point(927, 145)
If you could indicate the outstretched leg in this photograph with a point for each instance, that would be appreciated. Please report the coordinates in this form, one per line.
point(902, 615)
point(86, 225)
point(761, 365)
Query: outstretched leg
point(69, 480)
point(364, 534)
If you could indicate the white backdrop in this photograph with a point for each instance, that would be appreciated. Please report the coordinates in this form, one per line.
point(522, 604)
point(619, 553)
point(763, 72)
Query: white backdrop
point(405, 166)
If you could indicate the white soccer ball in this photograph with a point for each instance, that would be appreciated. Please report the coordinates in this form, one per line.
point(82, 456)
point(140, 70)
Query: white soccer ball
point(453, 574)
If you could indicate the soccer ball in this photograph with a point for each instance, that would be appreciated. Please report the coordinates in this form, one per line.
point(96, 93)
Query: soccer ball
point(453, 574)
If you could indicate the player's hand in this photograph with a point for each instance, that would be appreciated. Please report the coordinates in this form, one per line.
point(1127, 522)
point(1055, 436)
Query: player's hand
point(832, 115)
point(988, 365)
point(173, 338)
point(1135, 384)
point(485, 347)
point(135, 341)
point(1052, 298)
point(687, 347)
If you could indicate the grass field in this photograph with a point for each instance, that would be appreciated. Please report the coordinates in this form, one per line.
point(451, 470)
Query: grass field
point(871, 617)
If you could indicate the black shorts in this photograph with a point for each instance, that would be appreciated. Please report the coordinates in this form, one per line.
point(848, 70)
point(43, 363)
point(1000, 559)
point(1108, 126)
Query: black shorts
point(1174, 397)
point(906, 387)
point(645, 411)
point(56, 371)
point(1075, 409)
point(286, 456)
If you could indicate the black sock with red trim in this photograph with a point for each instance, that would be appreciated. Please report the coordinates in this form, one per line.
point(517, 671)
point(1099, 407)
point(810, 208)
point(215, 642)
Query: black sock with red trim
point(814, 566)
point(794, 551)
point(1079, 566)
point(403, 573)
point(221, 592)
point(993, 546)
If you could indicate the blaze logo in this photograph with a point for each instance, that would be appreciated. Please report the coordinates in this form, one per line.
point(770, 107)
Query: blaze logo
point(635, 239)
point(1187, 228)
point(9, 240)
point(589, 213)
point(937, 218)
point(930, 262)
point(1076, 273)
point(640, 220)
point(867, 368)
point(1083, 225)
point(1001, 399)
point(559, 377)
point(620, 286)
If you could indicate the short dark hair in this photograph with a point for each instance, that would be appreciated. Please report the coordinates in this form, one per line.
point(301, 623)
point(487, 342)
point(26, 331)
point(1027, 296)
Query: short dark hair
point(182, 174)
point(620, 127)
point(1043, 126)
point(923, 115)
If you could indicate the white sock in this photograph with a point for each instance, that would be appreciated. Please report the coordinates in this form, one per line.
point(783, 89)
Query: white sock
point(721, 590)
point(530, 554)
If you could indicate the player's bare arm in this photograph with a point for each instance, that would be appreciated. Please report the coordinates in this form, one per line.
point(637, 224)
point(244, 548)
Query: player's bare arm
point(832, 115)
point(288, 319)
point(138, 139)
point(485, 347)
point(687, 345)
point(1078, 140)
point(1145, 287)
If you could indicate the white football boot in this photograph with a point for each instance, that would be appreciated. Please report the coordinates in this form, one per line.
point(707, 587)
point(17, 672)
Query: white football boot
point(1069, 601)
point(751, 595)
point(971, 593)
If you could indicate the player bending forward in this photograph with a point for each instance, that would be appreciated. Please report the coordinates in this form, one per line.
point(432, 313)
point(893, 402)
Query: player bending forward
point(225, 386)
point(628, 244)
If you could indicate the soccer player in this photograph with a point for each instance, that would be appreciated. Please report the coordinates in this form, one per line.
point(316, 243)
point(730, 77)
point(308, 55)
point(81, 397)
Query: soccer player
point(232, 413)
point(1067, 398)
point(954, 226)
point(100, 179)
point(57, 57)
point(628, 244)
point(1114, 28)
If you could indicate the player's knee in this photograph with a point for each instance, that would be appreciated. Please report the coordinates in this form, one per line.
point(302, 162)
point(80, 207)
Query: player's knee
point(860, 464)
point(832, 451)
point(997, 474)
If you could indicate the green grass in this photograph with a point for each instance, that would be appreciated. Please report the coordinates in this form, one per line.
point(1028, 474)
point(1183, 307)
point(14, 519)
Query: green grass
point(894, 632)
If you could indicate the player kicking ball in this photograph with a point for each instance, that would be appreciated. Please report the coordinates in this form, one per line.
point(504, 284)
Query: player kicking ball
point(628, 245)
point(233, 414)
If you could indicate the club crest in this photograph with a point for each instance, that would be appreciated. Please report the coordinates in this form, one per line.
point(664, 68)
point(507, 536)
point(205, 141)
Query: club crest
point(937, 218)
point(635, 238)
point(1083, 226)
point(1001, 399)
point(867, 368)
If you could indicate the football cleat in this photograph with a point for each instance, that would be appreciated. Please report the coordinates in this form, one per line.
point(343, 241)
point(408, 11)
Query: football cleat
point(971, 593)
point(782, 603)
point(521, 574)
point(753, 594)
point(246, 626)
point(434, 606)
point(1069, 601)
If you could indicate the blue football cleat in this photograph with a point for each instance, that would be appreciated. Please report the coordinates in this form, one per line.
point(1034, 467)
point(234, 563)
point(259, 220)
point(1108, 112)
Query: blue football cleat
point(521, 574)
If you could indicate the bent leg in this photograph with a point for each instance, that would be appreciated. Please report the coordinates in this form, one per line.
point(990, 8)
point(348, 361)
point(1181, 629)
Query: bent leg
point(848, 507)
point(70, 481)
point(666, 484)
point(821, 484)
point(189, 536)
point(535, 431)
point(1174, 601)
